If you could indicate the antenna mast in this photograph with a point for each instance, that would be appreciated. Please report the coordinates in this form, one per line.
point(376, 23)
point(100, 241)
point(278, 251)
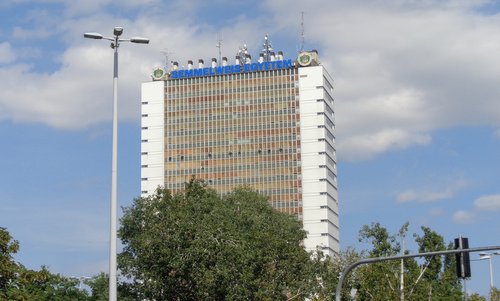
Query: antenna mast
point(219, 45)
point(166, 54)
point(242, 53)
point(268, 49)
point(302, 40)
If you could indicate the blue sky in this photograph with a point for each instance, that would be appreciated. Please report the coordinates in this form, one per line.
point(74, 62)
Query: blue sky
point(417, 105)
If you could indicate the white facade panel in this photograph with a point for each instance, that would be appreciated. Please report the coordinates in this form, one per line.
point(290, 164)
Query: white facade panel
point(152, 137)
point(152, 134)
point(319, 218)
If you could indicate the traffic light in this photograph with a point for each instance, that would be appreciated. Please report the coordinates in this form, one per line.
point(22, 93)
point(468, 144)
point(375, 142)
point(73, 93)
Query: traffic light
point(462, 259)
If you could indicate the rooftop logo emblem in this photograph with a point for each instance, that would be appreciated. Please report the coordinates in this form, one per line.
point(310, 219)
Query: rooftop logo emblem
point(305, 59)
point(158, 74)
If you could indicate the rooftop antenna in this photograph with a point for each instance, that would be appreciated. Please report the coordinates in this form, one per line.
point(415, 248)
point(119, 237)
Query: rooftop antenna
point(302, 42)
point(242, 53)
point(268, 48)
point(219, 45)
point(166, 54)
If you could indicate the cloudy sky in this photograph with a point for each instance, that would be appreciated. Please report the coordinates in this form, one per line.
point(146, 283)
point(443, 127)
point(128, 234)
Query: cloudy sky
point(417, 86)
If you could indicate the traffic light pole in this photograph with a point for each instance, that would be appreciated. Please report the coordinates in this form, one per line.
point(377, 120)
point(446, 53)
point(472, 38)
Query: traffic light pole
point(379, 259)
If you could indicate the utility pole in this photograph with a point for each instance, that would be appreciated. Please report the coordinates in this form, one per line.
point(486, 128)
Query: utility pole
point(402, 274)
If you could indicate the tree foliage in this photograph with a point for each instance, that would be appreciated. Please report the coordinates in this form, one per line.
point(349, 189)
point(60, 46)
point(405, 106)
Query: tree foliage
point(20, 283)
point(99, 289)
point(428, 278)
point(8, 267)
point(494, 294)
point(197, 245)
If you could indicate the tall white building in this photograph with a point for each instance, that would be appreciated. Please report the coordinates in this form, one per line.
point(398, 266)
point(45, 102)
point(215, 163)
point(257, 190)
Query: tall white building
point(268, 124)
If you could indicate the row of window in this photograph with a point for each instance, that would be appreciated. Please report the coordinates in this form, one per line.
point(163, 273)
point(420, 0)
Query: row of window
point(174, 105)
point(239, 131)
point(196, 117)
point(286, 74)
point(271, 180)
point(286, 204)
point(212, 143)
point(209, 98)
point(262, 167)
point(273, 191)
point(258, 174)
point(231, 154)
point(202, 90)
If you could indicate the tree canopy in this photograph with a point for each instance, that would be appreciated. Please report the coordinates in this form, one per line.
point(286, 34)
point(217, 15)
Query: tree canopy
point(197, 245)
point(427, 278)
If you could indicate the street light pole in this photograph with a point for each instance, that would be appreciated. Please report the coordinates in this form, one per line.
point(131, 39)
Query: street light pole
point(488, 256)
point(115, 43)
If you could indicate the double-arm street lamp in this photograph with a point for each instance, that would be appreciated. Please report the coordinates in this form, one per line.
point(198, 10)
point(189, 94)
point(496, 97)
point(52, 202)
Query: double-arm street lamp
point(115, 43)
point(487, 256)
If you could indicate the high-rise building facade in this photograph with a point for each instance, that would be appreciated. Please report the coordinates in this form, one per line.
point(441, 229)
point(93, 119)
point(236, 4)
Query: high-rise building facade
point(268, 124)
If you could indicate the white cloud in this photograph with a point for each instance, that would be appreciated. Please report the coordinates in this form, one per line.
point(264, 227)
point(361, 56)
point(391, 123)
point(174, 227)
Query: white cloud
point(401, 69)
point(488, 202)
point(78, 94)
point(7, 54)
point(417, 56)
point(437, 212)
point(407, 196)
point(427, 196)
point(497, 133)
point(464, 217)
point(484, 203)
point(35, 33)
point(367, 145)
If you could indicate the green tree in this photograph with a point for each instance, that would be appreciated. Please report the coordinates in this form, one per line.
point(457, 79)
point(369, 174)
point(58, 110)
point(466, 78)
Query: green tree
point(99, 289)
point(44, 286)
point(327, 271)
point(476, 297)
point(438, 272)
point(380, 281)
point(494, 294)
point(8, 267)
point(429, 278)
point(20, 283)
point(197, 245)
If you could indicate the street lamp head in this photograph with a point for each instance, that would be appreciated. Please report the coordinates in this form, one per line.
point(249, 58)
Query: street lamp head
point(117, 31)
point(139, 40)
point(92, 35)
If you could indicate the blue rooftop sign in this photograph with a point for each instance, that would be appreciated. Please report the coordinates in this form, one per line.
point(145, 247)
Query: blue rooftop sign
point(231, 69)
